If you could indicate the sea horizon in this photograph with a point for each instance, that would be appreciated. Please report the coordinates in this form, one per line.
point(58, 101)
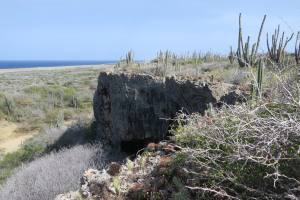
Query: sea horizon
point(13, 64)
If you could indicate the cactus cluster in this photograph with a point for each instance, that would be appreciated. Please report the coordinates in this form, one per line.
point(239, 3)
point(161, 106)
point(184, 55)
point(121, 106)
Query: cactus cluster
point(297, 49)
point(277, 49)
point(246, 54)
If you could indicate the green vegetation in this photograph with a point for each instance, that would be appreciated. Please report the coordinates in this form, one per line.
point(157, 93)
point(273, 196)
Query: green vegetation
point(48, 140)
point(10, 161)
point(46, 99)
point(45, 102)
point(297, 48)
point(244, 151)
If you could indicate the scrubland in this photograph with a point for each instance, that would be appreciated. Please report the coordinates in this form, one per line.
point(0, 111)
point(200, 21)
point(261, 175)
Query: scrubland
point(250, 150)
point(225, 152)
point(243, 151)
point(38, 107)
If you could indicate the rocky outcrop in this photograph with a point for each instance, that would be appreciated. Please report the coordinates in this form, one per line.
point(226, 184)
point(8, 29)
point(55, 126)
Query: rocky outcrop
point(142, 178)
point(130, 107)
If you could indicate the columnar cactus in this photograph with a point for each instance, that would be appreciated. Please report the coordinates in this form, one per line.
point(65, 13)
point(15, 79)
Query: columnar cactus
point(129, 58)
point(245, 56)
point(277, 49)
point(231, 56)
point(256, 85)
point(260, 76)
point(297, 49)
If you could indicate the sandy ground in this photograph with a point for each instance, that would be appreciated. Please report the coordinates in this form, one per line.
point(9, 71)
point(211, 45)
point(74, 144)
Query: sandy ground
point(10, 139)
point(106, 67)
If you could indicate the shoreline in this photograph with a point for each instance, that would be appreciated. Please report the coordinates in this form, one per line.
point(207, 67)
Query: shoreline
point(28, 69)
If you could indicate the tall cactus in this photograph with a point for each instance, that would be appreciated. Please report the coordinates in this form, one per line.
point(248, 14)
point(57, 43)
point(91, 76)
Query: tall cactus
point(166, 61)
point(231, 56)
point(244, 55)
point(277, 50)
point(297, 49)
point(260, 76)
point(256, 86)
point(129, 58)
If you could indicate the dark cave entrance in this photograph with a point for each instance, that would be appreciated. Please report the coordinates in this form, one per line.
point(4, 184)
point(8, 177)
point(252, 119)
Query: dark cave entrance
point(133, 146)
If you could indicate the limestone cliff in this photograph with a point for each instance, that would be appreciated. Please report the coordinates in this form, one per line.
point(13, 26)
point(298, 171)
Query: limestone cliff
point(137, 107)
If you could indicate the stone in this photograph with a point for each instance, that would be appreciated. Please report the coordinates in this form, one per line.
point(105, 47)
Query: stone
point(153, 147)
point(114, 169)
point(138, 107)
point(94, 183)
point(165, 161)
point(68, 196)
point(233, 97)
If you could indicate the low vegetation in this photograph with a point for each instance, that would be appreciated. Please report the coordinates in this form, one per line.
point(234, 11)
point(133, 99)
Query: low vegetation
point(242, 152)
point(49, 140)
point(250, 150)
point(38, 99)
point(46, 102)
point(54, 173)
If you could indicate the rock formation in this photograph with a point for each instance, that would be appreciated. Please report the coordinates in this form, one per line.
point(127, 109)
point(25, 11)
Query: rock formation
point(140, 108)
point(138, 179)
point(130, 107)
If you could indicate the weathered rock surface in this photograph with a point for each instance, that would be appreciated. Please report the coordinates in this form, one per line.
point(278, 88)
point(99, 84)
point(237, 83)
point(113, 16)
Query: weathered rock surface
point(137, 179)
point(137, 107)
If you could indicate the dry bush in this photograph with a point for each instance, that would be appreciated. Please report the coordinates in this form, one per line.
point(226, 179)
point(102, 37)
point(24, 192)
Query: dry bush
point(49, 136)
point(52, 174)
point(55, 138)
point(61, 137)
point(243, 153)
point(285, 86)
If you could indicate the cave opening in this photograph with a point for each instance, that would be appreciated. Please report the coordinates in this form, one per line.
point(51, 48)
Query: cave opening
point(133, 146)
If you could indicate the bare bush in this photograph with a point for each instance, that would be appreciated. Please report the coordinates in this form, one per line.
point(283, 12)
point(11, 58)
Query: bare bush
point(52, 174)
point(51, 135)
point(241, 153)
point(283, 86)
point(55, 138)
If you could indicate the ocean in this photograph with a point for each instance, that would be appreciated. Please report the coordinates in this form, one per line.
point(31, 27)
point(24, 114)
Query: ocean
point(45, 63)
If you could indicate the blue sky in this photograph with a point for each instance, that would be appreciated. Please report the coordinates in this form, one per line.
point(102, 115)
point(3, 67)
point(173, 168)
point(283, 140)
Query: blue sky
point(105, 30)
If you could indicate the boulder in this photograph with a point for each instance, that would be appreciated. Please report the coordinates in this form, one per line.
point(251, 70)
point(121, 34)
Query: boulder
point(138, 107)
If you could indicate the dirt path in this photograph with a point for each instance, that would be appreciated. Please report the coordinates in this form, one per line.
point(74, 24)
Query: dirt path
point(10, 139)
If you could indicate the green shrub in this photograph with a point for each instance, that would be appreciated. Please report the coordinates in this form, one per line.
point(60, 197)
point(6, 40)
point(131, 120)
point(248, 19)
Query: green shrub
point(60, 95)
point(10, 161)
point(54, 117)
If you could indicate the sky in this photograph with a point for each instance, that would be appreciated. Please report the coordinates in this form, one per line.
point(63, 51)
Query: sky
point(106, 30)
